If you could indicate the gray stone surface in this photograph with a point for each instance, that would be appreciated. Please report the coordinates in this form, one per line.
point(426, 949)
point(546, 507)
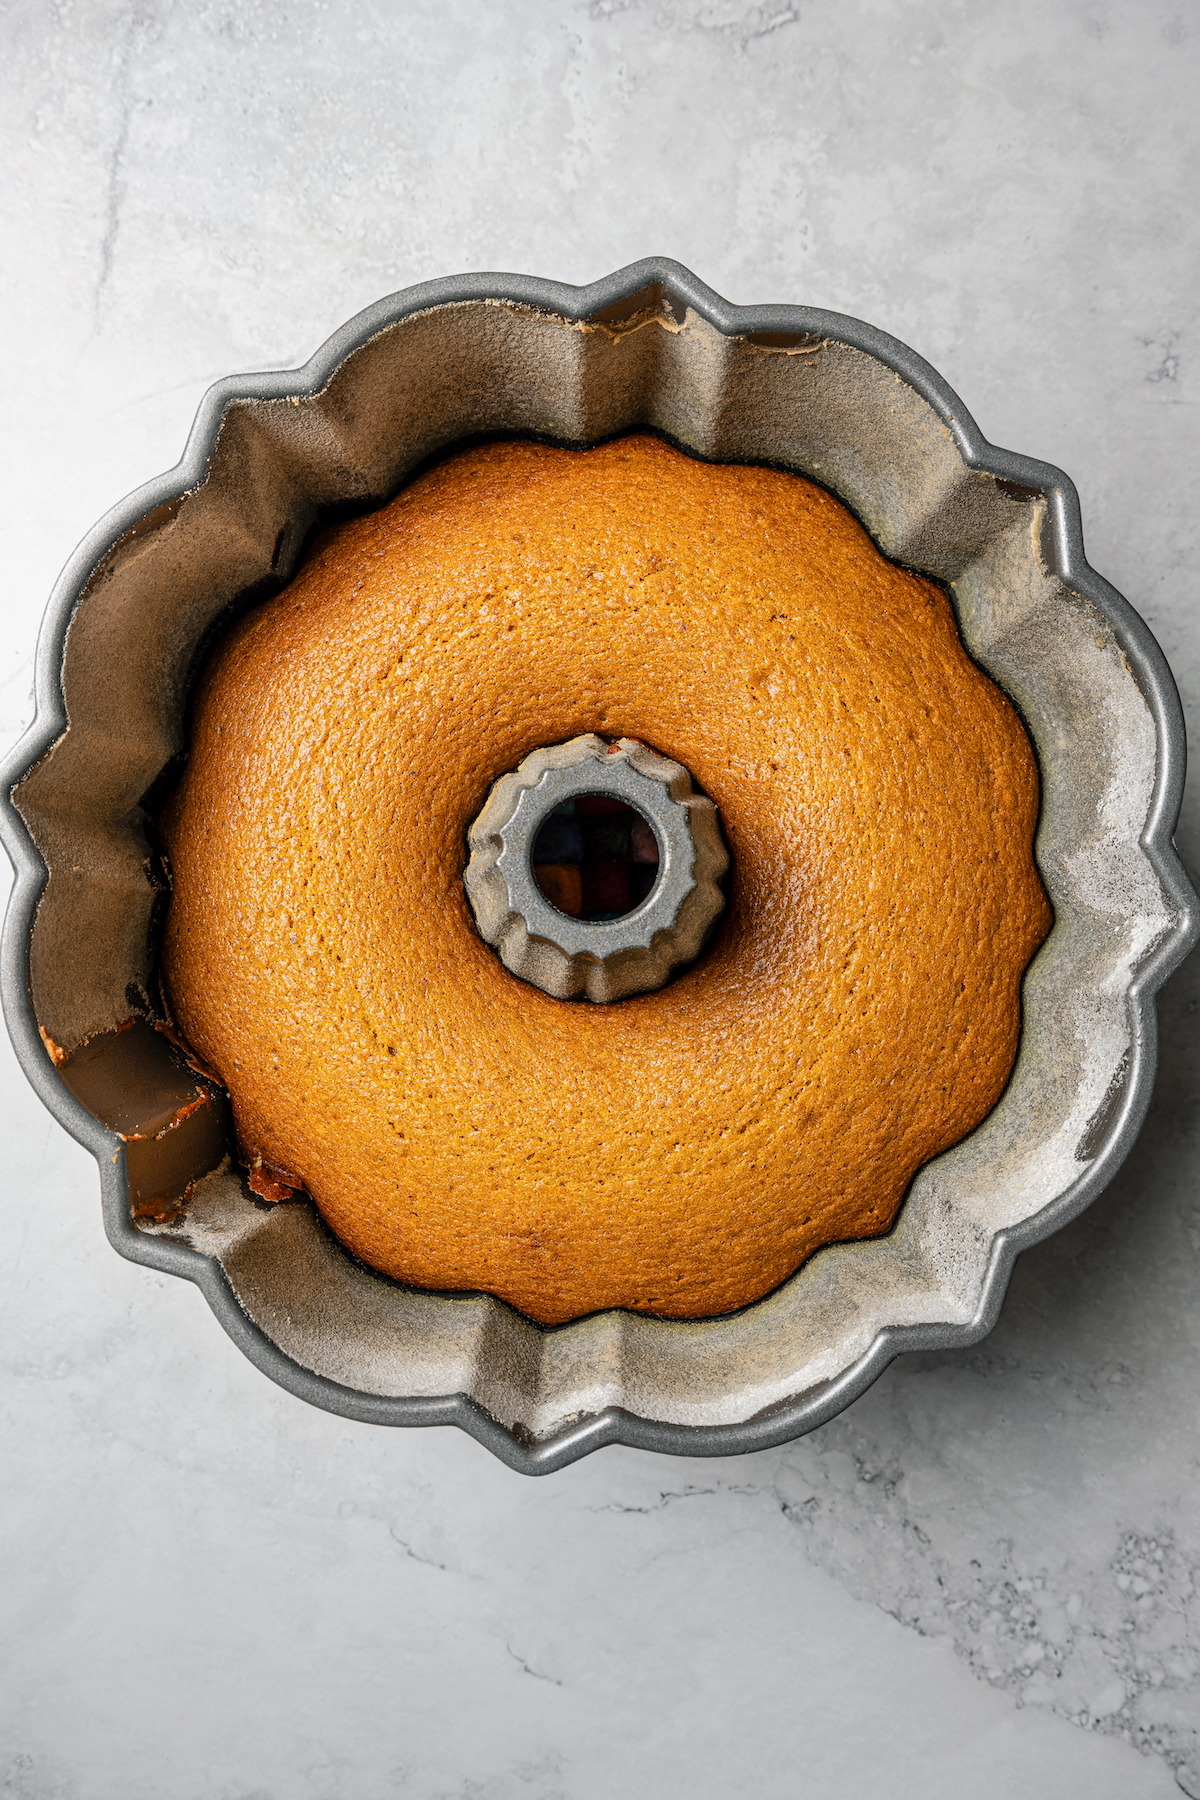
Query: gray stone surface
point(983, 1578)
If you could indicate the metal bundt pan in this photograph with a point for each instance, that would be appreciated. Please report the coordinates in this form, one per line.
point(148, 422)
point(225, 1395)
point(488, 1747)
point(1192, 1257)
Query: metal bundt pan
point(811, 391)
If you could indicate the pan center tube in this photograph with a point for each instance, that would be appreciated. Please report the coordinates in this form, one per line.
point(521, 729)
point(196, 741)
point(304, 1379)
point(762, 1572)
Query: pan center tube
point(594, 869)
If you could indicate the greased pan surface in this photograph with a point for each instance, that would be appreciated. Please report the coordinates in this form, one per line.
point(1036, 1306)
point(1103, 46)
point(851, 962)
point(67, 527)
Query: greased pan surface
point(811, 391)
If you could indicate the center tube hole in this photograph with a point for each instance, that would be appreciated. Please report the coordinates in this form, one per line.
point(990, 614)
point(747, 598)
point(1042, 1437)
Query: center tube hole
point(595, 858)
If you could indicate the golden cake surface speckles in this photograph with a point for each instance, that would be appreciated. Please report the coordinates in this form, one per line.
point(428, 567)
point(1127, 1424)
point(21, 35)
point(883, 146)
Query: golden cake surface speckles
point(682, 1151)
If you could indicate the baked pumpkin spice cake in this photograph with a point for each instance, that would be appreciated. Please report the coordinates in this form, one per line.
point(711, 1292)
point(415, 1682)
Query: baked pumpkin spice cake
point(679, 1152)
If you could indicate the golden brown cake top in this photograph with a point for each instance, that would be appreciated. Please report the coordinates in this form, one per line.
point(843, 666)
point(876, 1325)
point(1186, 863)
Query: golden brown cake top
point(683, 1151)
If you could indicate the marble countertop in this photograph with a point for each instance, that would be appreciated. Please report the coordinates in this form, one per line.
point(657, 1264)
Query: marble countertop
point(983, 1578)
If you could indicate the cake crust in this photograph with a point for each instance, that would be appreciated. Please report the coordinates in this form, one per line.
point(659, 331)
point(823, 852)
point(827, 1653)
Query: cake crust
point(680, 1152)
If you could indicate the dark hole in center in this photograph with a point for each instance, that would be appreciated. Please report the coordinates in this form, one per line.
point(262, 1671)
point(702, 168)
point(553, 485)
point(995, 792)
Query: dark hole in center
point(595, 858)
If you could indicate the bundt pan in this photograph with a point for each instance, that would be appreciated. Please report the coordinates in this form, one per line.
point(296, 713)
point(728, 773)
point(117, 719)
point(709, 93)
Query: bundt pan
point(805, 390)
